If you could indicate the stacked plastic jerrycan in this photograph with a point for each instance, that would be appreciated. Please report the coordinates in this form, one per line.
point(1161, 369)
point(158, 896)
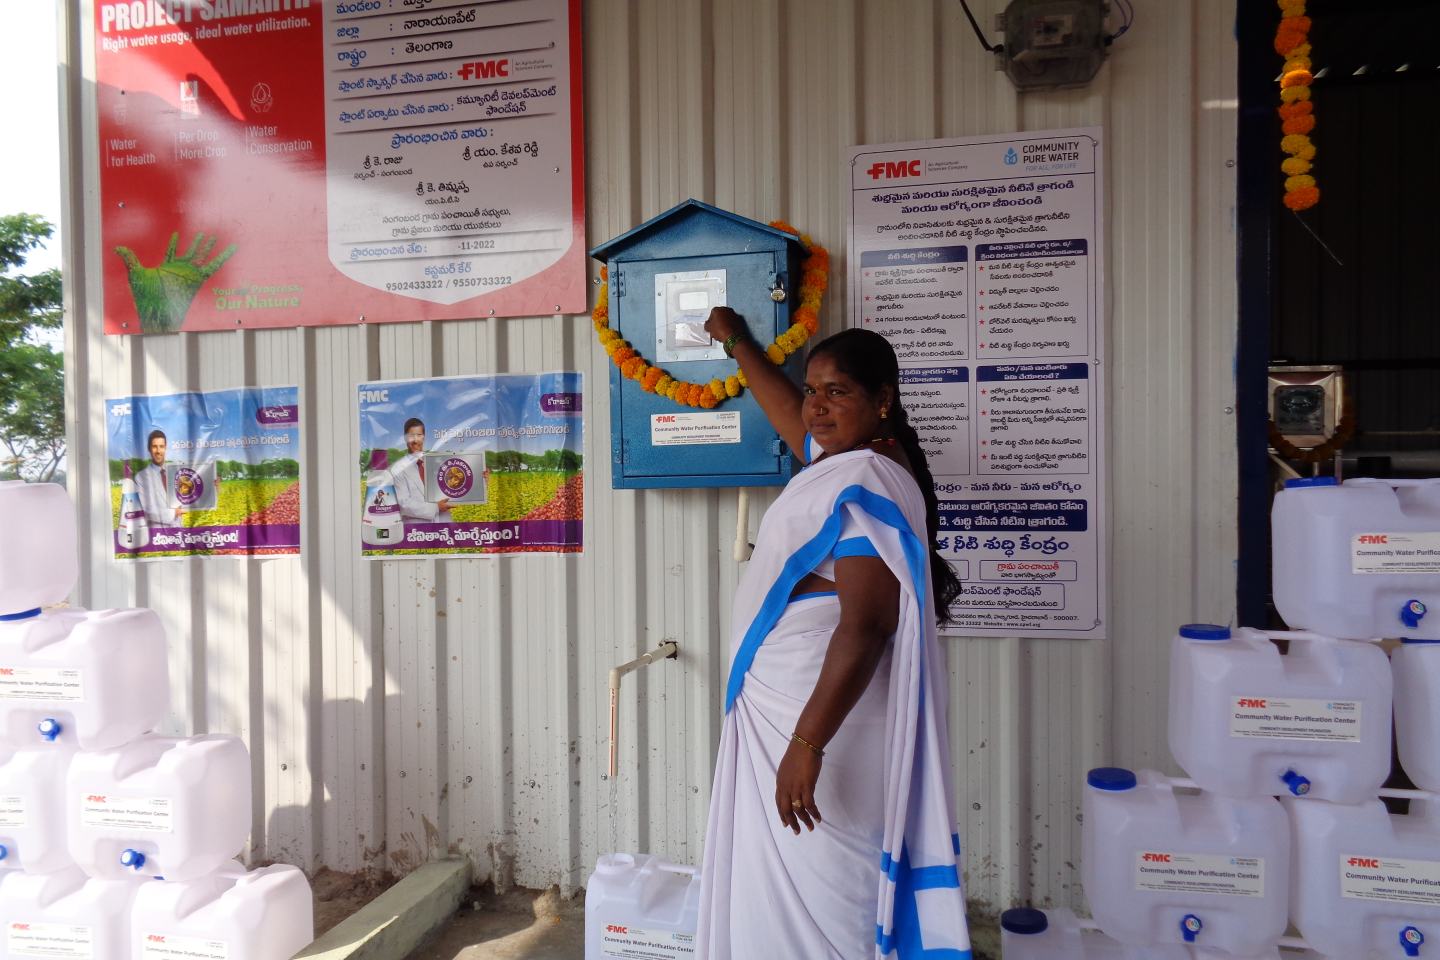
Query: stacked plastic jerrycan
point(1030, 934)
point(94, 809)
point(641, 906)
point(1362, 560)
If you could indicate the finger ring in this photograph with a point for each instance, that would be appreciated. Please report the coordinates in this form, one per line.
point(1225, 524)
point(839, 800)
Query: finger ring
point(796, 804)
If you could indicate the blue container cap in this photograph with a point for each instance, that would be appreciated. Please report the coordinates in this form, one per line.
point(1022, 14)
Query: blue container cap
point(1205, 631)
point(1111, 778)
point(1024, 920)
point(22, 615)
point(1417, 641)
point(1302, 482)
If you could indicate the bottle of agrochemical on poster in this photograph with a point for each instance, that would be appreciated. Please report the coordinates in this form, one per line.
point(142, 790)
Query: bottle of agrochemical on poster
point(134, 531)
point(380, 525)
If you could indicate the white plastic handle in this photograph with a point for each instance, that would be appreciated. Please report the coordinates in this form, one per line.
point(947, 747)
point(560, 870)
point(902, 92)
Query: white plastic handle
point(1374, 481)
point(1301, 635)
point(682, 868)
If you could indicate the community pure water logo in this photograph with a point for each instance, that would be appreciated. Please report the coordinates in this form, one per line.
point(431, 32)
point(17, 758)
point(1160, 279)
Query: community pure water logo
point(455, 478)
point(189, 486)
point(1011, 157)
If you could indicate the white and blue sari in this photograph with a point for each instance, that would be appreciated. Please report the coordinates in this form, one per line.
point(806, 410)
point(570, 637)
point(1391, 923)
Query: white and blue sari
point(880, 876)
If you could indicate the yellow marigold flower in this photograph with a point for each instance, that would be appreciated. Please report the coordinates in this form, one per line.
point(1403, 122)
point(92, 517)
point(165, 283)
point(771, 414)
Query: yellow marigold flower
point(1296, 63)
point(1291, 94)
point(740, 375)
point(1301, 51)
point(776, 355)
point(1294, 166)
point(1294, 143)
point(662, 386)
point(717, 387)
point(1298, 183)
point(798, 331)
point(732, 386)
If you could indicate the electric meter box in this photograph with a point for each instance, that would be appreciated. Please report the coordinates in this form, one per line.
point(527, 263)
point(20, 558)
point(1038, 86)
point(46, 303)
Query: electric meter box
point(665, 276)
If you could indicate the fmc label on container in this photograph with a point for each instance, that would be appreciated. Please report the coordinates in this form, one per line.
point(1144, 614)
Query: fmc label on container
point(1162, 871)
point(621, 941)
point(1280, 718)
point(1395, 553)
point(151, 814)
point(50, 940)
point(58, 685)
point(1391, 881)
point(682, 429)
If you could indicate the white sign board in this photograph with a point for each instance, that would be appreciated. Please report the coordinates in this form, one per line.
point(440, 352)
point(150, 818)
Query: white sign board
point(981, 261)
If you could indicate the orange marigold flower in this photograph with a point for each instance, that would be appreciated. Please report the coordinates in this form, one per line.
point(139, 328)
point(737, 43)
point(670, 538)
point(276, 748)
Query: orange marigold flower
point(651, 378)
point(782, 225)
point(1298, 125)
point(1297, 78)
point(1301, 108)
point(1302, 199)
point(623, 354)
point(709, 402)
point(604, 272)
point(807, 318)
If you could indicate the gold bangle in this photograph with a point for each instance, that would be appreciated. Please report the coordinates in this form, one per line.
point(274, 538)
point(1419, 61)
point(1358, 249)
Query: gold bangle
point(795, 737)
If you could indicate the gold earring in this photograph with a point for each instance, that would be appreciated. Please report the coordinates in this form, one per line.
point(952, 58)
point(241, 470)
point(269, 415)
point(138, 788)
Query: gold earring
point(884, 412)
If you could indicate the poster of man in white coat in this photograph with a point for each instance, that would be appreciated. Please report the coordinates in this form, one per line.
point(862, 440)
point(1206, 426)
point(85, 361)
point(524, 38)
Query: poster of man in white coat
point(409, 476)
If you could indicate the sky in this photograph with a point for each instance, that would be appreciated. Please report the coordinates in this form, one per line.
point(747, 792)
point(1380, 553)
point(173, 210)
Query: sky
point(30, 175)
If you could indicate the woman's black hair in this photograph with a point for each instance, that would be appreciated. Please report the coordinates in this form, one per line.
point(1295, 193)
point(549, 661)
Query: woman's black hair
point(867, 358)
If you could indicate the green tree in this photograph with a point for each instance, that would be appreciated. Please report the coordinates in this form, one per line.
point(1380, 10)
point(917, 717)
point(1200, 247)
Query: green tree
point(32, 373)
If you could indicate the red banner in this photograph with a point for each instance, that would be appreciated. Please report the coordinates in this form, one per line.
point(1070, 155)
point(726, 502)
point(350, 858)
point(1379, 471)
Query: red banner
point(280, 163)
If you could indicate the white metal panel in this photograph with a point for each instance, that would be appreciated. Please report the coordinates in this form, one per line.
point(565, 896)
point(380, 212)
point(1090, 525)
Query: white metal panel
point(406, 710)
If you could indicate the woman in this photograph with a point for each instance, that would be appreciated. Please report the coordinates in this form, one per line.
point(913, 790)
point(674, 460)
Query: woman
point(835, 706)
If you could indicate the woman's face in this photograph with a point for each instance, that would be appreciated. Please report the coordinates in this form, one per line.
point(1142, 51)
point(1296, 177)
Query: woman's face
point(838, 412)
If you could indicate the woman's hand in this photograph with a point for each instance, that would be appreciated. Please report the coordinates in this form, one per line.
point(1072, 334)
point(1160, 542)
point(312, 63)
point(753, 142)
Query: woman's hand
point(795, 787)
point(723, 323)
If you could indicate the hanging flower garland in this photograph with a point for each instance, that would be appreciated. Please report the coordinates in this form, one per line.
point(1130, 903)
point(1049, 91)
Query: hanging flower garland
point(1297, 112)
point(815, 276)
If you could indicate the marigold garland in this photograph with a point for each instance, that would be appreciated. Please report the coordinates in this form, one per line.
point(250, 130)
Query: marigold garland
point(814, 278)
point(1297, 112)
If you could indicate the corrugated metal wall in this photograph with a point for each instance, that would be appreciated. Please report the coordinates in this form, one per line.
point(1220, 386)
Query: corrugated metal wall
point(401, 711)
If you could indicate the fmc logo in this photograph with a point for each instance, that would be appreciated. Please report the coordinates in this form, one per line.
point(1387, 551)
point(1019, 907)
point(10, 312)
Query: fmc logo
point(1374, 538)
point(120, 410)
point(1156, 858)
point(615, 928)
point(665, 418)
point(1369, 862)
point(1254, 704)
point(484, 69)
point(96, 798)
point(374, 396)
point(895, 169)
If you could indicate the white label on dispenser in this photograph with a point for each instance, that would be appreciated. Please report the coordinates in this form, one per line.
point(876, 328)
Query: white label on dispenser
point(163, 946)
point(12, 812)
point(151, 814)
point(624, 942)
point(1389, 880)
point(50, 940)
point(1395, 553)
point(37, 683)
point(1279, 718)
point(683, 429)
point(1162, 871)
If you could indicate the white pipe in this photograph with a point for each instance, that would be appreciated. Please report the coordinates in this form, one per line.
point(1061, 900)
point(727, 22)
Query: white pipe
point(668, 650)
point(743, 547)
point(1186, 784)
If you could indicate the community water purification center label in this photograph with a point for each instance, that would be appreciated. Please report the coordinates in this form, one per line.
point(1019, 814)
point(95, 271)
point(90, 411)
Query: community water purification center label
point(1165, 872)
point(624, 942)
point(163, 946)
point(151, 814)
point(12, 812)
point(1390, 880)
point(683, 429)
point(50, 940)
point(1276, 718)
point(55, 684)
point(1395, 553)
point(981, 261)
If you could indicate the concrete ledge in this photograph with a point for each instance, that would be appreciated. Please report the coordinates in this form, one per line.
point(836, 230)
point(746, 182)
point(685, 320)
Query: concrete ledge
point(400, 919)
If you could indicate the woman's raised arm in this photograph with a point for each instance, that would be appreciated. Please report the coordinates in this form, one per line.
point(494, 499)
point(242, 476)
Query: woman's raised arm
point(778, 397)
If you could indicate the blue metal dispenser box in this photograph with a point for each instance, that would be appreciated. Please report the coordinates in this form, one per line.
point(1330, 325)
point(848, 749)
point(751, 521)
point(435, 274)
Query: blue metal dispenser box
point(665, 276)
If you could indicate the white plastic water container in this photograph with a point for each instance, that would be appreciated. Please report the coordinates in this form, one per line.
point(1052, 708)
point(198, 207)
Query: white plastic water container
point(38, 549)
point(65, 914)
point(32, 809)
point(1366, 882)
point(159, 807)
point(1159, 866)
point(94, 679)
point(637, 905)
point(1247, 721)
point(1416, 665)
point(1359, 559)
point(265, 914)
point(1056, 934)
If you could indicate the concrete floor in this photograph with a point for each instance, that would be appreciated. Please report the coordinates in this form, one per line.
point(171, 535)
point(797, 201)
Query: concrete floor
point(520, 925)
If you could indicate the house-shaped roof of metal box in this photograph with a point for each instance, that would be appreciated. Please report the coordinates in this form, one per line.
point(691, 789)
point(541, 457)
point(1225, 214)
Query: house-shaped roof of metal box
point(681, 219)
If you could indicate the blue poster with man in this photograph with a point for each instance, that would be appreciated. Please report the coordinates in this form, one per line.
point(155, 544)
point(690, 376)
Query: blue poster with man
point(205, 474)
point(470, 466)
